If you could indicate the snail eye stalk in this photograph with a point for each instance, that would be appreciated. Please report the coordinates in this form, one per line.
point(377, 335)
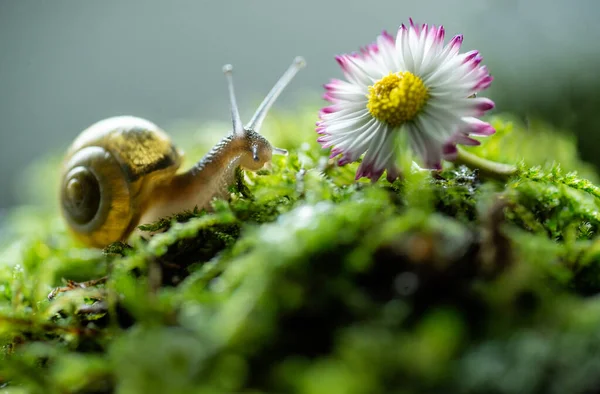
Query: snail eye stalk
point(238, 128)
point(260, 114)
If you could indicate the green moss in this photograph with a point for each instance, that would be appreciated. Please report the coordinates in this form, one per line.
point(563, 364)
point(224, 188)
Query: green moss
point(307, 281)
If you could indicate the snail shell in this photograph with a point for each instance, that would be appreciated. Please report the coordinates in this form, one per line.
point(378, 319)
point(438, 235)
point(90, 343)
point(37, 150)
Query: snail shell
point(108, 172)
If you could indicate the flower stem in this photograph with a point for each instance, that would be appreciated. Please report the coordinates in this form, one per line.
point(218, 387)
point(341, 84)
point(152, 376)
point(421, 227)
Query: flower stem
point(487, 168)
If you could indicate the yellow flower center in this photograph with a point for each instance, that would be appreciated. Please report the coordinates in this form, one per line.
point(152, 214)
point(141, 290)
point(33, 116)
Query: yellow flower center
point(397, 98)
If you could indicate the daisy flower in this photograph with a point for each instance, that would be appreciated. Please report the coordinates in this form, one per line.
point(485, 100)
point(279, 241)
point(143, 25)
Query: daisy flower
point(413, 84)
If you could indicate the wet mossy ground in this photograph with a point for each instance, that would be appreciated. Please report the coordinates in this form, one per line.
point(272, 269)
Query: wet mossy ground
point(309, 282)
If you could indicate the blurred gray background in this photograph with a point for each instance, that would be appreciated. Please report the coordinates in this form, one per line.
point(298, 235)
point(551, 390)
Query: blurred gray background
point(66, 64)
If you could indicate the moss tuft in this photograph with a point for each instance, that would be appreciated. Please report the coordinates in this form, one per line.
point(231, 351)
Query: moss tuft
point(307, 281)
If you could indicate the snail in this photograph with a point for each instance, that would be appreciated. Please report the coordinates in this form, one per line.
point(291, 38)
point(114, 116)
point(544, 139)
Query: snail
point(123, 171)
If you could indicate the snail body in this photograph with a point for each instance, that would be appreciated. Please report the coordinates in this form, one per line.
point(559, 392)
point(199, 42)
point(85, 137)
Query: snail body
point(124, 171)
